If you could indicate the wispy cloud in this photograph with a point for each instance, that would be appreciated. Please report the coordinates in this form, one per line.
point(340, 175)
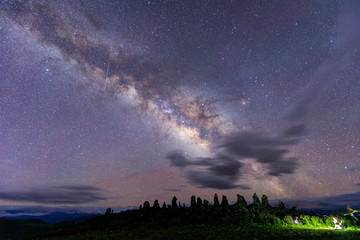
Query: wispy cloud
point(220, 172)
point(55, 195)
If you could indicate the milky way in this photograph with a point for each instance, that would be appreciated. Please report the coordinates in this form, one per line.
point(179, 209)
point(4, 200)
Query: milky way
point(130, 100)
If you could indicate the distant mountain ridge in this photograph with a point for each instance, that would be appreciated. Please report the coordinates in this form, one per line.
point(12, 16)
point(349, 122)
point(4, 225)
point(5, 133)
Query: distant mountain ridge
point(56, 217)
point(333, 204)
point(53, 214)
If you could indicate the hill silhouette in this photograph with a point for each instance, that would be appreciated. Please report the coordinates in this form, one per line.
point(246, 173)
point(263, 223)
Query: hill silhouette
point(21, 228)
point(175, 221)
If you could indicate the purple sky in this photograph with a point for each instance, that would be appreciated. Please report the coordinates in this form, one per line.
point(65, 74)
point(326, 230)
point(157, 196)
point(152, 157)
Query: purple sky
point(111, 103)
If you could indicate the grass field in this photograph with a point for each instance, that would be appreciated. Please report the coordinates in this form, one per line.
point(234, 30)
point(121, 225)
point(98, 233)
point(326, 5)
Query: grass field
point(201, 231)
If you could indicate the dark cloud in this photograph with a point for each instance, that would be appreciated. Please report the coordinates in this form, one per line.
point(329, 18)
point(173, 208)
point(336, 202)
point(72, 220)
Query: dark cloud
point(220, 172)
point(177, 159)
point(77, 188)
point(55, 195)
point(329, 202)
point(223, 165)
point(286, 166)
point(264, 149)
point(244, 186)
point(295, 131)
point(207, 180)
point(240, 143)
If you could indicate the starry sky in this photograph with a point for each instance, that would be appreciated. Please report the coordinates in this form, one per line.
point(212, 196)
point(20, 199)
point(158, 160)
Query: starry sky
point(111, 103)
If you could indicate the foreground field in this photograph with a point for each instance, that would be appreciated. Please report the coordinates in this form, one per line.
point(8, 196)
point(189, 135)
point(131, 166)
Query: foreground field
point(211, 232)
point(200, 220)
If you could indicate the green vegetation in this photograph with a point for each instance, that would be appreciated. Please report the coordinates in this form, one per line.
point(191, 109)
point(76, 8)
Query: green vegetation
point(206, 231)
point(201, 220)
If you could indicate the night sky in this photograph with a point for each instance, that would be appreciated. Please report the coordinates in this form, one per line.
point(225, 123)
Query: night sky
point(112, 103)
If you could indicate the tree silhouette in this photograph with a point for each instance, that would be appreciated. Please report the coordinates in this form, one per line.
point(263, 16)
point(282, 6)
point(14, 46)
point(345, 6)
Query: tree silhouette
point(224, 201)
point(201, 212)
point(281, 204)
point(216, 200)
point(256, 200)
point(108, 211)
point(146, 205)
point(173, 202)
point(156, 204)
point(193, 201)
point(199, 202)
point(241, 202)
point(265, 202)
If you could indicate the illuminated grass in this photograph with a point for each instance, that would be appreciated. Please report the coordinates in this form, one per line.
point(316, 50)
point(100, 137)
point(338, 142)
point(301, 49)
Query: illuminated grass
point(202, 231)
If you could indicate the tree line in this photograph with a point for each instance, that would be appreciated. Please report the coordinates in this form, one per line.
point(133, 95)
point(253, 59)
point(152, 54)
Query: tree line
point(221, 212)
